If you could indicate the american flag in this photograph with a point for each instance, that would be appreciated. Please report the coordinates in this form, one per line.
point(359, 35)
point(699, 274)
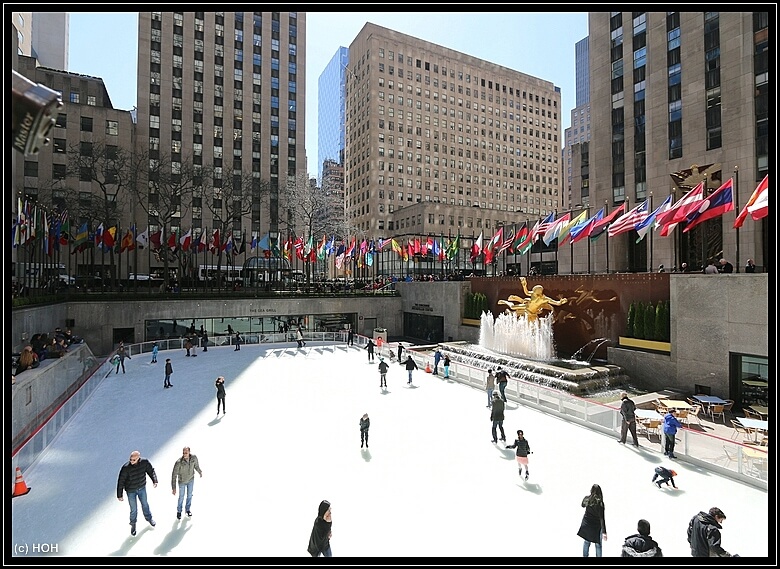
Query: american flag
point(629, 221)
point(541, 228)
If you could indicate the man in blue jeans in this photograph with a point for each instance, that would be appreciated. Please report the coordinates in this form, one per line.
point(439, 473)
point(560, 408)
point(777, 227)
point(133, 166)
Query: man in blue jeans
point(132, 479)
point(184, 476)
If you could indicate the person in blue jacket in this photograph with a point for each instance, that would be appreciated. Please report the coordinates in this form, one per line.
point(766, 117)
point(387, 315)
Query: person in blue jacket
point(671, 424)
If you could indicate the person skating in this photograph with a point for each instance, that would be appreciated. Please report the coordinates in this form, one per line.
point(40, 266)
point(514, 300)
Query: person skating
point(594, 525)
point(370, 347)
point(704, 534)
point(168, 373)
point(627, 410)
point(365, 423)
point(522, 452)
point(502, 377)
point(400, 350)
point(238, 341)
point(411, 365)
point(383, 367)
point(319, 540)
point(155, 349)
point(641, 544)
point(497, 416)
point(132, 480)
point(220, 385)
point(183, 476)
point(664, 476)
point(490, 385)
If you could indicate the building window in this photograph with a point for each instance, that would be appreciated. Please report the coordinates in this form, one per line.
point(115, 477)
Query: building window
point(31, 168)
point(112, 127)
point(74, 97)
point(86, 124)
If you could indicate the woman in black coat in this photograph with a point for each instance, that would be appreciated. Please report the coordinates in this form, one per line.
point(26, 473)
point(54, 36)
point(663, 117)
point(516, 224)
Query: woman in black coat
point(319, 541)
point(593, 526)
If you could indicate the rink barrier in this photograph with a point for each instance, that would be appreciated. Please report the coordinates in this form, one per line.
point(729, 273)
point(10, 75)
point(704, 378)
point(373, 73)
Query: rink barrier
point(744, 463)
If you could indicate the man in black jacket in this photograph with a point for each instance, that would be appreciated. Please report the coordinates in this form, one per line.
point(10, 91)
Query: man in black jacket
point(132, 479)
point(704, 534)
point(497, 416)
point(627, 408)
point(641, 544)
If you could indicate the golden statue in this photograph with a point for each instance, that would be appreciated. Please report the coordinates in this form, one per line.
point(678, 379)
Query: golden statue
point(532, 306)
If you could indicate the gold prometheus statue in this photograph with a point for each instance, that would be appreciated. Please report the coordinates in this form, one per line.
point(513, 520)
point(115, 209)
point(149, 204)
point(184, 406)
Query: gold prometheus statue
point(532, 306)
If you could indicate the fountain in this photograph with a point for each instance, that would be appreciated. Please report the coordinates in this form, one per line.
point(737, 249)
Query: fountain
point(521, 341)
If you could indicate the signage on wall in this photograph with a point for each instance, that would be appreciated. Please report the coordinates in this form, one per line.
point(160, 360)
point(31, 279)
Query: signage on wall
point(422, 307)
point(261, 310)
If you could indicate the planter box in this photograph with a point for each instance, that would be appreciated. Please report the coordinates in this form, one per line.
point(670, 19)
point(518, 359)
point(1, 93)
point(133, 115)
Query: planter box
point(471, 322)
point(645, 344)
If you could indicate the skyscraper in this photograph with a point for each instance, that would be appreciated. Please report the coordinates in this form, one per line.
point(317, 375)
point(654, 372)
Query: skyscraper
point(330, 110)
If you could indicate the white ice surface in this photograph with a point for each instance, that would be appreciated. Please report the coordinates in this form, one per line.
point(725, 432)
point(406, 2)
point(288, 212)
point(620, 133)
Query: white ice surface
point(432, 484)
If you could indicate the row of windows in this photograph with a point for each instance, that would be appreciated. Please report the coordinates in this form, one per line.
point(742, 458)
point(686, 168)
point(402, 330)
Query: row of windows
point(112, 126)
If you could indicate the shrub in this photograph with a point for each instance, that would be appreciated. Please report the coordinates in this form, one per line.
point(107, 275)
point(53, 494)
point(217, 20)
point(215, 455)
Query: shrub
point(630, 320)
point(649, 322)
point(639, 321)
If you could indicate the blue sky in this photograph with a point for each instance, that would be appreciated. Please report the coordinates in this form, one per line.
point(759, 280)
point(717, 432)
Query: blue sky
point(536, 43)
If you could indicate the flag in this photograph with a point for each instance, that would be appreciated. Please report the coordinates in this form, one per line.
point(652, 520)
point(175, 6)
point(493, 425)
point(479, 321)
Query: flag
point(253, 245)
point(629, 220)
point(495, 241)
point(186, 240)
point(98, 237)
point(155, 240)
point(64, 234)
point(215, 246)
point(227, 247)
point(650, 221)
point(453, 247)
point(542, 226)
point(712, 206)
point(436, 250)
point(601, 225)
point(522, 238)
point(555, 228)
point(507, 242)
point(143, 239)
point(582, 230)
point(322, 248)
point(563, 236)
point(760, 207)
point(330, 247)
point(109, 239)
point(82, 238)
point(762, 188)
point(264, 244)
point(675, 214)
point(396, 247)
point(197, 244)
point(172, 241)
point(242, 248)
point(476, 248)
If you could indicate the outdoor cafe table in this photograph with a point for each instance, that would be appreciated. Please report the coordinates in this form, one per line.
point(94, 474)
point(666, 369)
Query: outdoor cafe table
point(710, 399)
point(761, 410)
point(754, 424)
point(648, 414)
point(675, 404)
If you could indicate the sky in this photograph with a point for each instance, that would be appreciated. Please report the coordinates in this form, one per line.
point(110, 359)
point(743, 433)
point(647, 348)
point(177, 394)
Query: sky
point(536, 43)
point(431, 484)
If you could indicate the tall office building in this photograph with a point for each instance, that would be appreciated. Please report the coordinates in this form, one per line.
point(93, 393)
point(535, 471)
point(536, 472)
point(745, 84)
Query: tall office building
point(579, 131)
point(226, 90)
point(331, 106)
point(677, 98)
point(44, 36)
point(438, 141)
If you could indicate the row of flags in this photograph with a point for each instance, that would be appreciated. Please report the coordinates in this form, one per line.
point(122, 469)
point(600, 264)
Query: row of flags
point(691, 210)
point(52, 229)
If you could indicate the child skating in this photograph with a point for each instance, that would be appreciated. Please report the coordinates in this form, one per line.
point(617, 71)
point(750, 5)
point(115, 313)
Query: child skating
point(383, 367)
point(522, 452)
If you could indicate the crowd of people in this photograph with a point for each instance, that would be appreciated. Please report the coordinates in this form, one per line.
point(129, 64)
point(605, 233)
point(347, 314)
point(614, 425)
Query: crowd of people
point(44, 346)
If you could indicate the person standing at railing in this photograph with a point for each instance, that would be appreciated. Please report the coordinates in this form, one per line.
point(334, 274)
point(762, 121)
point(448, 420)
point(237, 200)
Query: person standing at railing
point(671, 424)
point(490, 385)
point(446, 367)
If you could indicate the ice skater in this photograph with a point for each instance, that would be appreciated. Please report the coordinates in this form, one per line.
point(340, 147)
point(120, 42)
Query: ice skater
point(370, 347)
point(168, 373)
point(155, 349)
point(497, 416)
point(383, 367)
point(522, 452)
point(664, 476)
point(365, 423)
point(220, 385)
point(411, 365)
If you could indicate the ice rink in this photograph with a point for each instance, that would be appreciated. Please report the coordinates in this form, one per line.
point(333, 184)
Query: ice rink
point(431, 485)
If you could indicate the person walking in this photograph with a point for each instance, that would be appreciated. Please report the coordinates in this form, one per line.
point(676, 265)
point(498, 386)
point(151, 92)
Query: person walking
point(319, 540)
point(704, 534)
point(411, 365)
point(641, 544)
point(132, 481)
point(497, 416)
point(446, 367)
point(383, 367)
point(238, 341)
point(627, 409)
point(365, 423)
point(205, 339)
point(220, 385)
point(436, 360)
point(370, 347)
point(522, 452)
point(400, 350)
point(594, 526)
point(155, 349)
point(122, 353)
point(664, 476)
point(188, 346)
point(168, 373)
point(502, 377)
point(490, 385)
point(350, 337)
point(299, 338)
point(183, 476)
point(671, 424)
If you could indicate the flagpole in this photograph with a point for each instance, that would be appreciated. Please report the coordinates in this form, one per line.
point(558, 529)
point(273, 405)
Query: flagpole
point(651, 233)
point(704, 228)
point(736, 211)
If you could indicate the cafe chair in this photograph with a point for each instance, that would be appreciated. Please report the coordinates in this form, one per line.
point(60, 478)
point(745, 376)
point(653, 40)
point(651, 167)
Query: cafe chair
point(649, 425)
point(682, 416)
point(694, 412)
point(717, 411)
point(750, 414)
point(729, 404)
point(730, 456)
point(744, 431)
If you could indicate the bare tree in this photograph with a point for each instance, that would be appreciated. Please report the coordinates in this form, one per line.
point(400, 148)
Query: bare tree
point(109, 168)
point(230, 202)
point(164, 189)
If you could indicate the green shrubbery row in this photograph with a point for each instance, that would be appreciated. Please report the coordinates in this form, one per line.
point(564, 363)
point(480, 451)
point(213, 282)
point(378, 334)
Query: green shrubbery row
point(647, 321)
point(476, 304)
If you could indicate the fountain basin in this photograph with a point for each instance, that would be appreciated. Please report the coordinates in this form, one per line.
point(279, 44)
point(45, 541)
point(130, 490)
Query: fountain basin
point(578, 378)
